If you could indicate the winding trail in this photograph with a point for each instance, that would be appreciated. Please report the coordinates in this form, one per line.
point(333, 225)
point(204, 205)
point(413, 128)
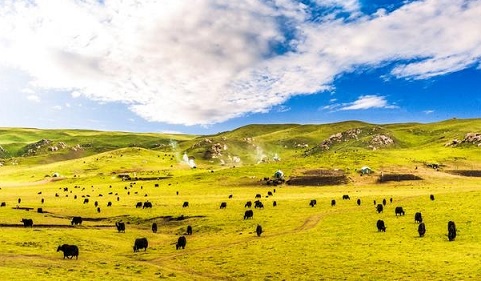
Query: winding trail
point(311, 222)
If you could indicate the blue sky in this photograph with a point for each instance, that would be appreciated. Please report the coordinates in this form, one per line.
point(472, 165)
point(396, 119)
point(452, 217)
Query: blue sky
point(206, 66)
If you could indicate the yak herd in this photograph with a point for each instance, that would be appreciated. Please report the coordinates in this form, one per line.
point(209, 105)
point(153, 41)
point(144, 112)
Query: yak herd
point(71, 251)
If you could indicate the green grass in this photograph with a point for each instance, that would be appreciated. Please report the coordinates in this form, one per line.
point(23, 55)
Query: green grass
point(299, 242)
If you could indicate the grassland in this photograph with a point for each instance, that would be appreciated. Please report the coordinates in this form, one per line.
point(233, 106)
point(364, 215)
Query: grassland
point(299, 242)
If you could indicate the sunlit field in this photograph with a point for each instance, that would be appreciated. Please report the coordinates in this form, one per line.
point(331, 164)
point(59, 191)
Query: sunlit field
point(299, 242)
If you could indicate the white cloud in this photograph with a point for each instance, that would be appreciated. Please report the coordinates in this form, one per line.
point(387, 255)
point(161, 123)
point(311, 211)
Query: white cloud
point(206, 61)
point(362, 103)
point(367, 102)
point(57, 107)
point(75, 94)
point(428, 112)
point(33, 98)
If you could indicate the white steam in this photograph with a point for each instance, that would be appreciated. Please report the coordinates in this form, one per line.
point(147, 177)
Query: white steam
point(189, 161)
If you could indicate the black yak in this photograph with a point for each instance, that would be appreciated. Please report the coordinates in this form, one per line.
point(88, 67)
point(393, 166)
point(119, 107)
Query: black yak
point(418, 217)
point(140, 243)
point(259, 230)
point(181, 242)
point(69, 251)
point(147, 204)
point(379, 208)
point(399, 211)
point(76, 220)
point(27, 222)
point(451, 231)
point(346, 197)
point(223, 205)
point(333, 202)
point(359, 202)
point(381, 226)
point(248, 214)
point(313, 203)
point(421, 229)
point(248, 204)
point(186, 204)
point(154, 227)
point(120, 226)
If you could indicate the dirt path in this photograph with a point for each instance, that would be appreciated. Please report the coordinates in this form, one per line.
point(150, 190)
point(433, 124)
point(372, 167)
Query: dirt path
point(168, 261)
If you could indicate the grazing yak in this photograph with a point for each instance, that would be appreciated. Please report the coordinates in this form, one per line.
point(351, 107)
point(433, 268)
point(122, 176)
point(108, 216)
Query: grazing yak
point(274, 204)
point(381, 226)
point(418, 217)
point(421, 229)
point(154, 227)
point(359, 202)
point(138, 205)
point(3, 204)
point(147, 204)
point(96, 203)
point(384, 202)
point(399, 211)
point(69, 251)
point(248, 214)
point(181, 242)
point(186, 204)
point(259, 230)
point(76, 220)
point(346, 197)
point(223, 205)
point(333, 202)
point(374, 202)
point(451, 231)
point(86, 200)
point(269, 193)
point(258, 204)
point(431, 197)
point(27, 222)
point(230, 196)
point(141, 243)
point(258, 195)
point(120, 226)
point(109, 204)
point(313, 203)
point(189, 230)
point(248, 204)
point(379, 208)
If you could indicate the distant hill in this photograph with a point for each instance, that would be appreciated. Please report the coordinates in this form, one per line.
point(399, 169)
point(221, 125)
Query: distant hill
point(343, 143)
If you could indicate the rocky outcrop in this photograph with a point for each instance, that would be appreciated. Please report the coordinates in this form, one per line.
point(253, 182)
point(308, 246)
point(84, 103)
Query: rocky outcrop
point(348, 135)
point(469, 138)
point(380, 141)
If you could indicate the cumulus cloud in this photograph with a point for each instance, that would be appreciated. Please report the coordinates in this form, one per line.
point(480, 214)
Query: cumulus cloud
point(206, 61)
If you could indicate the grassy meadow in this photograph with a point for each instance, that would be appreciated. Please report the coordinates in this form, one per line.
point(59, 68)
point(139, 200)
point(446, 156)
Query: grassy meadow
point(299, 242)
